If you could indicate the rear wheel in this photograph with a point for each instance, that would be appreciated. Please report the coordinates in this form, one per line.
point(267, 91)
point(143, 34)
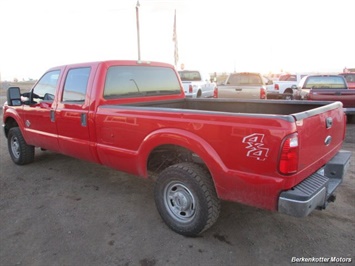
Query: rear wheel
point(20, 152)
point(288, 95)
point(186, 199)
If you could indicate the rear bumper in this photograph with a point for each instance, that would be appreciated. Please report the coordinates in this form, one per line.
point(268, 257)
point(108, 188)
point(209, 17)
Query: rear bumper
point(349, 110)
point(190, 95)
point(273, 95)
point(317, 190)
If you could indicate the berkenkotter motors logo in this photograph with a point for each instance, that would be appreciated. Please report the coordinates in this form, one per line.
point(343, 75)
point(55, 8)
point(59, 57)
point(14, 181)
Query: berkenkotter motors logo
point(321, 260)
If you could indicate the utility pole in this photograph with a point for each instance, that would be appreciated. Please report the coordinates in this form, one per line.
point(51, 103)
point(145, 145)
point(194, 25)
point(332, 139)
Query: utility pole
point(138, 38)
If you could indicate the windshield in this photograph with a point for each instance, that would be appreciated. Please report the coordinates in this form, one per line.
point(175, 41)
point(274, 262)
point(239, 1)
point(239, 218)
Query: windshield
point(190, 75)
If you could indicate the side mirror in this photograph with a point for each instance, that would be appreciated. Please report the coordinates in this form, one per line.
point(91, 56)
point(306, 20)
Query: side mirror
point(14, 96)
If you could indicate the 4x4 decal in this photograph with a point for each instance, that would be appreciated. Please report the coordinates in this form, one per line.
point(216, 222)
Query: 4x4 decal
point(256, 147)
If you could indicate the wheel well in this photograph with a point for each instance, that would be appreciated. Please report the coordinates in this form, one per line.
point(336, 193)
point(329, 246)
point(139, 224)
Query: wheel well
point(199, 93)
point(9, 123)
point(288, 90)
point(166, 155)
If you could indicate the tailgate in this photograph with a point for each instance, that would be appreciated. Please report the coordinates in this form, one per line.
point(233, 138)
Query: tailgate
point(185, 85)
point(240, 92)
point(347, 97)
point(320, 135)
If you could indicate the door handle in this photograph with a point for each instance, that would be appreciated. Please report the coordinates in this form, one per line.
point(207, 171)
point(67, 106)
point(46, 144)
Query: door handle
point(83, 119)
point(52, 115)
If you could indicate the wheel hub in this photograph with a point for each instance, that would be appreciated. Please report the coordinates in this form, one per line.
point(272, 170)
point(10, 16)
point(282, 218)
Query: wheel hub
point(15, 147)
point(180, 202)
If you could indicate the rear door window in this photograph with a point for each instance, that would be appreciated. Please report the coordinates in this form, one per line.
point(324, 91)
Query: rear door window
point(76, 84)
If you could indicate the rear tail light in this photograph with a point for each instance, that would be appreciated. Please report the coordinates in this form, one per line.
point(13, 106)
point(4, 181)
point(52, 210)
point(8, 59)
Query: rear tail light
point(262, 93)
point(276, 87)
point(288, 162)
point(215, 92)
point(190, 89)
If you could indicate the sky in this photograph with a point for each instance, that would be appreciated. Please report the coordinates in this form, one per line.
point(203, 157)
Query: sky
point(213, 36)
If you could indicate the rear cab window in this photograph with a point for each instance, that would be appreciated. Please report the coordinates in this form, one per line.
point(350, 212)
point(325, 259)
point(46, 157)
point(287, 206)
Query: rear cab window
point(190, 75)
point(325, 82)
point(138, 81)
point(288, 77)
point(245, 79)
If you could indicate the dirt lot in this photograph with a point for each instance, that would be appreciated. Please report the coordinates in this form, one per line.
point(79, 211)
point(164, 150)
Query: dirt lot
point(63, 211)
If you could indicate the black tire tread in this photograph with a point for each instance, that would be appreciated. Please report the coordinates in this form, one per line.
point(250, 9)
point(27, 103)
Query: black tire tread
point(27, 152)
point(204, 181)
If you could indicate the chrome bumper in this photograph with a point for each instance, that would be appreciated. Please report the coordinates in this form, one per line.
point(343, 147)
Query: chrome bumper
point(317, 190)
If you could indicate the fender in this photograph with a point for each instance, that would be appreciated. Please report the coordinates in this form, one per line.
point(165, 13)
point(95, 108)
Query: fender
point(12, 113)
point(185, 139)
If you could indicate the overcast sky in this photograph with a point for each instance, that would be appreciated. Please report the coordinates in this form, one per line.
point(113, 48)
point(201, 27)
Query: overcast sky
point(221, 36)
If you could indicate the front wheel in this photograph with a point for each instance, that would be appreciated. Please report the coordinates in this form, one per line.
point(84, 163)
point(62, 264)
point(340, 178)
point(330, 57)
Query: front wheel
point(186, 199)
point(20, 152)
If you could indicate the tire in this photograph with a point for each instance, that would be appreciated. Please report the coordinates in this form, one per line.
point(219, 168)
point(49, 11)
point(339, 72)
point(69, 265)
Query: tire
point(199, 94)
point(288, 95)
point(186, 199)
point(21, 153)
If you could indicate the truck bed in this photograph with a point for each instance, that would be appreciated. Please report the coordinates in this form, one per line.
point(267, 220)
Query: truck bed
point(282, 108)
point(225, 124)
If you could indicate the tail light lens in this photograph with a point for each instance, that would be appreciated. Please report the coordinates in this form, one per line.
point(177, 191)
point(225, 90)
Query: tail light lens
point(190, 89)
point(276, 87)
point(288, 162)
point(262, 93)
point(215, 92)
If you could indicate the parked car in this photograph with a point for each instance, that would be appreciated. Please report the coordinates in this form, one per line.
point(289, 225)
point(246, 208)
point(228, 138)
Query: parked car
point(197, 84)
point(244, 85)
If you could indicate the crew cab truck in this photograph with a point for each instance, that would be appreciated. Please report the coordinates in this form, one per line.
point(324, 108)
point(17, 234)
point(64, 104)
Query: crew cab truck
point(197, 84)
point(243, 85)
point(133, 116)
point(328, 88)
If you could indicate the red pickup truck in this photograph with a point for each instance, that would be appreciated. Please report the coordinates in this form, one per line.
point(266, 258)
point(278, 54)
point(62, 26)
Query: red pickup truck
point(133, 116)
